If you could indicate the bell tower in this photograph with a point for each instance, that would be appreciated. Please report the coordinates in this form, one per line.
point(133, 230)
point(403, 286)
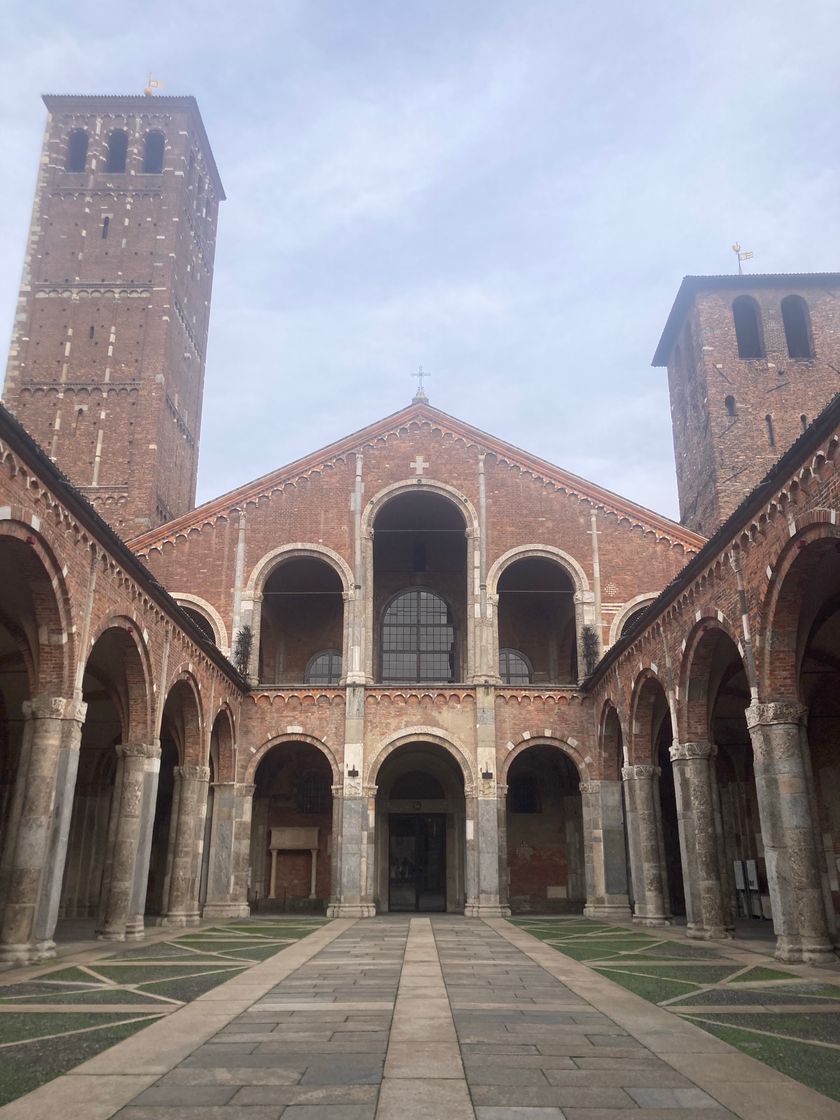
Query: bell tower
point(751, 360)
point(106, 366)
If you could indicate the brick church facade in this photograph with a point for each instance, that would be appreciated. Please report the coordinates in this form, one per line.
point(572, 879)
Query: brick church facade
point(474, 682)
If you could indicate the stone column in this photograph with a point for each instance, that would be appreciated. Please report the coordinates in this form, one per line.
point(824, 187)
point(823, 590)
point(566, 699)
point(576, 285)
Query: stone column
point(127, 806)
point(504, 884)
point(706, 911)
point(135, 926)
point(483, 846)
point(646, 863)
point(335, 850)
point(182, 906)
point(788, 832)
point(226, 875)
point(39, 823)
point(358, 814)
point(604, 853)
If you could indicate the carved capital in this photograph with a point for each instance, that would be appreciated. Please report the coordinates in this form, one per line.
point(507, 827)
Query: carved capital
point(590, 787)
point(682, 752)
point(54, 707)
point(639, 772)
point(137, 750)
point(786, 711)
point(337, 791)
point(193, 773)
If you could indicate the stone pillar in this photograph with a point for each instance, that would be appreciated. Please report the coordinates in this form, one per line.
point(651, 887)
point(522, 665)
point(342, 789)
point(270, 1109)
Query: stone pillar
point(335, 850)
point(706, 910)
point(485, 812)
point(646, 862)
point(358, 815)
point(127, 807)
point(39, 823)
point(470, 855)
point(604, 853)
point(504, 878)
point(182, 905)
point(135, 926)
point(788, 832)
point(226, 872)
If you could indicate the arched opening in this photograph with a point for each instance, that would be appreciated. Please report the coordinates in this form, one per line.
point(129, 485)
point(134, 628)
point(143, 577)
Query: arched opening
point(113, 687)
point(747, 318)
point(77, 150)
point(117, 151)
point(291, 830)
point(797, 324)
point(537, 618)
point(420, 831)
point(302, 616)
point(633, 619)
point(545, 833)
point(612, 761)
point(153, 153)
point(176, 843)
point(729, 402)
point(201, 621)
point(420, 590)
point(514, 668)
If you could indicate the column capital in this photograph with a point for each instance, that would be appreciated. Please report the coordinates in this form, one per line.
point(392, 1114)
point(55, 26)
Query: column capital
point(54, 707)
point(193, 773)
point(138, 750)
point(639, 772)
point(593, 786)
point(784, 711)
point(682, 752)
point(337, 791)
point(244, 789)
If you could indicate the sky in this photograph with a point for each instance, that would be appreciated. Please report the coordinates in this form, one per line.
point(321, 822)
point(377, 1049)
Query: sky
point(507, 194)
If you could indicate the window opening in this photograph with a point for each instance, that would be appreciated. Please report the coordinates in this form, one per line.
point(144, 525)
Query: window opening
point(153, 153)
point(771, 435)
point(730, 406)
point(312, 793)
point(77, 150)
point(797, 326)
point(418, 639)
point(117, 151)
point(106, 225)
point(803, 420)
point(747, 328)
point(324, 668)
point(514, 667)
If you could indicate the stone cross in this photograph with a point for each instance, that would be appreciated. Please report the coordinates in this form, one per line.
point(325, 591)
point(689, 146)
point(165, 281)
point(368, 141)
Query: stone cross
point(419, 465)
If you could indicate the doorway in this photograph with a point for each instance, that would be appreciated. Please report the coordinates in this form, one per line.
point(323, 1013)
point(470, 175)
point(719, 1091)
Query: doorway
point(417, 862)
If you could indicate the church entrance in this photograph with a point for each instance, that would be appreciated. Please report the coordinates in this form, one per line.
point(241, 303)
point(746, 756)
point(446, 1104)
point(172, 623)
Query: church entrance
point(420, 832)
point(416, 862)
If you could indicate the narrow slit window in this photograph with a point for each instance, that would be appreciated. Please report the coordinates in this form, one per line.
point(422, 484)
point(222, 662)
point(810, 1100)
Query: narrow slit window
point(730, 406)
point(106, 226)
point(117, 151)
point(77, 150)
point(771, 435)
point(803, 420)
point(797, 326)
point(748, 328)
point(92, 333)
point(153, 153)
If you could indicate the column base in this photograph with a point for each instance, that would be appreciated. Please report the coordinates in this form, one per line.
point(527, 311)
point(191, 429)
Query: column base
point(793, 950)
point(110, 935)
point(709, 933)
point(226, 910)
point(486, 910)
point(651, 920)
point(613, 910)
point(179, 921)
point(351, 910)
point(135, 930)
point(11, 956)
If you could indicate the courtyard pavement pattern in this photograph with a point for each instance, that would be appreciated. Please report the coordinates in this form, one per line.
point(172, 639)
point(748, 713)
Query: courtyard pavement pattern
point(422, 1019)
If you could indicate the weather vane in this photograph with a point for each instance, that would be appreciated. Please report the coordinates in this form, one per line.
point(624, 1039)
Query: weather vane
point(421, 375)
point(152, 85)
point(742, 255)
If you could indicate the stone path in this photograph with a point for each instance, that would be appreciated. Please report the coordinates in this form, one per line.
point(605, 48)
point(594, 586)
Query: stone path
point(425, 1019)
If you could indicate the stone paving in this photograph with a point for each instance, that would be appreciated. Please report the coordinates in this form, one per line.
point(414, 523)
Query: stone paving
point(423, 1019)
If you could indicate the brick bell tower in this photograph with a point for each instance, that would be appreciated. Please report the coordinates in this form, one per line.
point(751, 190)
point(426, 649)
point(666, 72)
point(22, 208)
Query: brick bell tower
point(751, 360)
point(106, 366)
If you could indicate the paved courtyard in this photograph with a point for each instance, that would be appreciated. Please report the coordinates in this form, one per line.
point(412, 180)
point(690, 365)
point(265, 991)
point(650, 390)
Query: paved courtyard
point(403, 1018)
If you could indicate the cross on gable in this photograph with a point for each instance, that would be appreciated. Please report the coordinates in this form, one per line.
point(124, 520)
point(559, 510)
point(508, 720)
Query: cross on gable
point(419, 465)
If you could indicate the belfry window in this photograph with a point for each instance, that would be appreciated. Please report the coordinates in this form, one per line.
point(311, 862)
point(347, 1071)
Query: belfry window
point(324, 668)
point(514, 668)
point(77, 150)
point(117, 151)
point(797, 326)
point(747, 318)
point(153, 153)
point(418, 639)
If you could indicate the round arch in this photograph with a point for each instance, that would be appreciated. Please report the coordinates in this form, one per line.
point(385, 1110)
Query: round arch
point(434, 735)
point(196, 745)
point(209, 612)
point(424, 486)
point(298, 551)
point(542, 552)
point(224, 727)
point(138, 675)
point(276, 740)
point(565, 747)
point(693, 714)
point(611, 740)
point(630, 607)
point(642, 707)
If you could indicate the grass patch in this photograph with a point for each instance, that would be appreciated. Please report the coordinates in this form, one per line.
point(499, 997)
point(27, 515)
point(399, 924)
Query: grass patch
point(806, 1028)
point(701, 973)
point(652, 988)
point(37, 1024)
point(185, 989)
point(758, 973)
point(87, 996)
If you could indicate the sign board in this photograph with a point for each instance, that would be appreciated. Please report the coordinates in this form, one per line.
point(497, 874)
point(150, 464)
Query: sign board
point(293, 839)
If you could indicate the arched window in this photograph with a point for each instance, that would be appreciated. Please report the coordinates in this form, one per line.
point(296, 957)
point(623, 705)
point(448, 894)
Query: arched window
point(77, 149)
point(633, 619)
point(117, 150)
point(514, 668)
point(153, 153)
point(747, 327)
point(797, 327)
point(730, 406)
point(324, 668)
point(771, 435)
point(418, 639)
point(106, 225)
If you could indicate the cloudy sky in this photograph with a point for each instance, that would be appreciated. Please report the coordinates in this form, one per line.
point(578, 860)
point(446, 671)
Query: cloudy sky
point(506, 193)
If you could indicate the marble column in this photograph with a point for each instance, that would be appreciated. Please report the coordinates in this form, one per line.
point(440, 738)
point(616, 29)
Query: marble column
point(335, 851)
point(226, 874)
point(605, 858)
point(706, 911)
point(182, 901)
point(471, 907)
point(135, 926)
point(789, 832)
point(504, 874)
point(646, 860)
point(38, 826)
point(127, 807)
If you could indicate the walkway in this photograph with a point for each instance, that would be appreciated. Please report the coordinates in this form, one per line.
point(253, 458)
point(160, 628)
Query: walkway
point(421, 1019)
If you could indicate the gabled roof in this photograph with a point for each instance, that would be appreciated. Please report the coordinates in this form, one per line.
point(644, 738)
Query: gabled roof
point(691, 285)
point(420, 412)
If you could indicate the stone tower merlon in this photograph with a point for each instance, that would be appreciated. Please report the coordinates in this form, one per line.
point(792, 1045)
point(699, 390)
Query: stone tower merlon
point(751, 361)
point(106, 365)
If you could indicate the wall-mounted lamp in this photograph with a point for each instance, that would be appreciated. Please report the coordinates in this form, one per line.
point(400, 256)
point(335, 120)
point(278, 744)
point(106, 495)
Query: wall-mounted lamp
point(352, 772)
point(487, 775)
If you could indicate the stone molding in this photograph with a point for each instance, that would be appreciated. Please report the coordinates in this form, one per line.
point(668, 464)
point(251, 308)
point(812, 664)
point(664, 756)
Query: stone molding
point(781, 712)
point(193, 773)
point(137, 750)
point(682, 752)
point(54, 707)
point(337, 791)
point(639, 772)
point(244, 789)
point(590, 787)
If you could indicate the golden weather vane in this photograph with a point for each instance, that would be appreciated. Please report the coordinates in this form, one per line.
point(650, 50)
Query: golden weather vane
point(152, 85)
point(742, 255)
